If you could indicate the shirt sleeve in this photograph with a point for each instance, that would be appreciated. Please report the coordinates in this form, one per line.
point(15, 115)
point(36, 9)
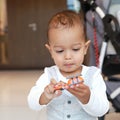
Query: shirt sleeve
point(98, 104)
point(36, 91)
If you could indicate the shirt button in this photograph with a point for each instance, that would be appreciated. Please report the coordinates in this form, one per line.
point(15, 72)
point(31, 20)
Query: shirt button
point(69, 102)
point(68, 116)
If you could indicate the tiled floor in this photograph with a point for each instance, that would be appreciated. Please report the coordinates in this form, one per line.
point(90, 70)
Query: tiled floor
point(14, 88)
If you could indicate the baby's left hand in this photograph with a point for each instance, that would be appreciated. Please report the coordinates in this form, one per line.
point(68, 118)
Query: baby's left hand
point(81, 91)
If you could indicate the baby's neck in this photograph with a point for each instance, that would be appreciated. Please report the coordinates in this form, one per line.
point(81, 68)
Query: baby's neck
point(72, 73)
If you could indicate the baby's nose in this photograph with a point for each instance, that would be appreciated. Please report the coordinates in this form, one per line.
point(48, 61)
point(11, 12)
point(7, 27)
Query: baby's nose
point(68, 55)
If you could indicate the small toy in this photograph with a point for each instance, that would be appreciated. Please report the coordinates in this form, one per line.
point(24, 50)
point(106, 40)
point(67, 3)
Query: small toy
point(71, 81)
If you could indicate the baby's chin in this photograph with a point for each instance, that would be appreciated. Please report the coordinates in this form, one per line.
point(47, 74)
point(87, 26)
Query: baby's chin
point(67, 72)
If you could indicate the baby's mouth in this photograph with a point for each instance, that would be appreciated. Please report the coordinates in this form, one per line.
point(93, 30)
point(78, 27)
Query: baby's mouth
point(68, 64)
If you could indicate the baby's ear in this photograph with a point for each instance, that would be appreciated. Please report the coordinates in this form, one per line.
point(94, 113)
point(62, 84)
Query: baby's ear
point(87, 44)
point(48, 47)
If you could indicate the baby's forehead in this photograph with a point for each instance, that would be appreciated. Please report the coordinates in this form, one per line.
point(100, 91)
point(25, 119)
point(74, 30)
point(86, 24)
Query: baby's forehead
point(74, 32)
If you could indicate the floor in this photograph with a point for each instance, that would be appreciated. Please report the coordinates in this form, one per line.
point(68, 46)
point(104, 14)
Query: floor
point(14, 88)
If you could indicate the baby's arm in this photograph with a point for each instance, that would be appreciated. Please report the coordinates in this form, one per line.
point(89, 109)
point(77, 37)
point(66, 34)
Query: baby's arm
point(36, 91)
point(94, 100)
point(42, 93)
point(98, 103)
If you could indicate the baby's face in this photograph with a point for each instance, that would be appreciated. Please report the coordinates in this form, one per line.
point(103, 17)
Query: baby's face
point(67, 48)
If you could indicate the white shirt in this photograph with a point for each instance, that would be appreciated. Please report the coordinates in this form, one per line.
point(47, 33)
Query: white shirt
point(67, 106)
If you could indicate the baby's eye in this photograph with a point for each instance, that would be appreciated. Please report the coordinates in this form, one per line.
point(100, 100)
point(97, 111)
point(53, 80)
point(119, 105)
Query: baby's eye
point(76, 49)
point(59, 51)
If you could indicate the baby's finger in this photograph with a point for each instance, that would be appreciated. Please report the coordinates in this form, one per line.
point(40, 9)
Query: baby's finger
point(53, 81)
point(50, 89)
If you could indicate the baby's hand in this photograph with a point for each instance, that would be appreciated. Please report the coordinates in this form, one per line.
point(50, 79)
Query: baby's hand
point(81, 91)
point(50, 91)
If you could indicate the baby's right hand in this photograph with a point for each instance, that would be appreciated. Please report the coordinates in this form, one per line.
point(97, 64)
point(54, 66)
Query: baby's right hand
point(50, 91)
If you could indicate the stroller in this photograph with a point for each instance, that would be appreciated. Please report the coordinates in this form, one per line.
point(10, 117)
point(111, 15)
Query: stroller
point(109, 56)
